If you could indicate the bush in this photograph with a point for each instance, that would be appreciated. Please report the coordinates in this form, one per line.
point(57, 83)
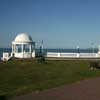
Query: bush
point(41, 59)
point(94, 65)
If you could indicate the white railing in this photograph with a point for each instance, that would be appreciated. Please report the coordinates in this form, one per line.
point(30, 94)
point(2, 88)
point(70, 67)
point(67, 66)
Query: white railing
point(73, 55)
point(88, 55)
point(52, 54)
point(68, 55)
point(6, 56)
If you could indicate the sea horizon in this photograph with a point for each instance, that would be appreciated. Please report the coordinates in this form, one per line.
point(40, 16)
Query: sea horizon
point(67, 50)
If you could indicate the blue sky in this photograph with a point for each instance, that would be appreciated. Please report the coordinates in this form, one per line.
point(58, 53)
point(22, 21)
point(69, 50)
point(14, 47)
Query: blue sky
point(60, 23)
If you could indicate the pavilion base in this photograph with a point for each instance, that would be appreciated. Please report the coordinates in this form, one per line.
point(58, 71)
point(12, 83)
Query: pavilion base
point(24, 55)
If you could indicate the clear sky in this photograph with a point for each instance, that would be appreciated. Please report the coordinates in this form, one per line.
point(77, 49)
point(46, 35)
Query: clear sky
point(60, 23)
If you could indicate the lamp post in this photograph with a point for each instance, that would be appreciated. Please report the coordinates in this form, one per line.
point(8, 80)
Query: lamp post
point(78, 49)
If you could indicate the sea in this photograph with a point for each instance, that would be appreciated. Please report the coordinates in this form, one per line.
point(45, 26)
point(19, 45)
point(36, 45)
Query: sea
point(88, 50)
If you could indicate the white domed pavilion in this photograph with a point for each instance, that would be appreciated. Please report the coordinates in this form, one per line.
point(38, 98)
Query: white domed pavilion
point(23, 46)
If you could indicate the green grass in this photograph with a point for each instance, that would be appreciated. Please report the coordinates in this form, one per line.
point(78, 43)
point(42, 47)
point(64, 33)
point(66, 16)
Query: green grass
point(19, 77)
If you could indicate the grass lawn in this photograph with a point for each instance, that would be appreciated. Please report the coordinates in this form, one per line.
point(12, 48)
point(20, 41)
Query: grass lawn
point(20, 77)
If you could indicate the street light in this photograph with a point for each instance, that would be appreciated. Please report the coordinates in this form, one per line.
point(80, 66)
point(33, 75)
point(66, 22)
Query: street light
point(78, 49)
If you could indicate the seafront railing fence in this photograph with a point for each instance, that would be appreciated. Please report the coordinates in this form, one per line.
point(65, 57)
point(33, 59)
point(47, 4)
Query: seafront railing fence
point(73, 55)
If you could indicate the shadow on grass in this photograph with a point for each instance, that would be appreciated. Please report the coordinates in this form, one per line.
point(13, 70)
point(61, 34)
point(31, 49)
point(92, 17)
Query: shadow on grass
point(3, 97)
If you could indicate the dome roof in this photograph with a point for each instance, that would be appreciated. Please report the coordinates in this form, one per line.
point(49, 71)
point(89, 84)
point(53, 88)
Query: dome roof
point(23, 38)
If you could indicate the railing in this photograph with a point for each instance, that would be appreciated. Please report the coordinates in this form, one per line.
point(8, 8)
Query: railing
point(73, 55)
point(52, 54)
point(68, 55)
point(6, 56)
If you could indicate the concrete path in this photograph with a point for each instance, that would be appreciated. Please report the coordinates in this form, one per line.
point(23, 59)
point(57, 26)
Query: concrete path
point(84, 90)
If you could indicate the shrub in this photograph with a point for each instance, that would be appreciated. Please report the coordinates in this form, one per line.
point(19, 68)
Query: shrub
point(94, 65)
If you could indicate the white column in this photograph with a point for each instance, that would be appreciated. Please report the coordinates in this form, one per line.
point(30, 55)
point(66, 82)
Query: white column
point(12, 54)
point(17, 48)
point(22, 50)
point(33, 47)
point(30, 48)
point(12, 48)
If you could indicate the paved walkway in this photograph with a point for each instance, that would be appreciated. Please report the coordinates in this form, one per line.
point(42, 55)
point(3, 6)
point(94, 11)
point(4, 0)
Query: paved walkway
point(84, 90)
